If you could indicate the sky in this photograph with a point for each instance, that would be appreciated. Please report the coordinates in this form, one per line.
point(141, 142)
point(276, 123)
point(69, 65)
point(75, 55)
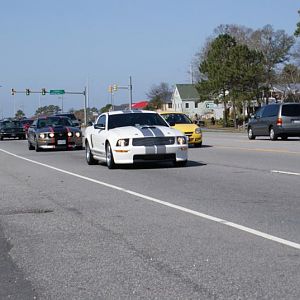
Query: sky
point(70, 44)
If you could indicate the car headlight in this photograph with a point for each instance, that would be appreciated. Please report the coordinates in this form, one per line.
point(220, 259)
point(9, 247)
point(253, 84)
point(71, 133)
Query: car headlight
point(181, 140)
point(51, 134)
point(70, 134)
point(42, 135)
point(77, 134)
point(123, 142)
point(198, 130)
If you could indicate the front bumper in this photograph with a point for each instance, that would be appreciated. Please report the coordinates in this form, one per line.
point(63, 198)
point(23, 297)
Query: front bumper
point(69, 143)
point(195, 138)
point(129, 155)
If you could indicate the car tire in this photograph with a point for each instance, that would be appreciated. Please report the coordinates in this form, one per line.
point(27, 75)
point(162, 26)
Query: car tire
point(89, 155)
point(109, 157)
point(1, 138)
point(37, 148)
point(30, 147)
point(180, 164)
point(273, 136)
point(251, 136)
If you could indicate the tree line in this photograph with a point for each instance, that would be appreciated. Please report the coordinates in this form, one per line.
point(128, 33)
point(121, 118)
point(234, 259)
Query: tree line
point(237, 65)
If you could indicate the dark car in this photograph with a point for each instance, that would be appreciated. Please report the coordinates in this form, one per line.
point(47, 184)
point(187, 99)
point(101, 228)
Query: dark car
point(11, 129)
point(54, 133)
point(73, 118)
point(276, 120)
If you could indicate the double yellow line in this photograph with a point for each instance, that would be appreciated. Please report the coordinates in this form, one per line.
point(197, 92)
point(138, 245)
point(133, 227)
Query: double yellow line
point(260, 150)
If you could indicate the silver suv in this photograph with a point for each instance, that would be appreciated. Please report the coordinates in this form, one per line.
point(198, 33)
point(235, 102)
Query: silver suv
point(276, 120)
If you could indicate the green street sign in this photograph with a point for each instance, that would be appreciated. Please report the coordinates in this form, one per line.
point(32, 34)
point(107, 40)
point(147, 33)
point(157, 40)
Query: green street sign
point(57, 92)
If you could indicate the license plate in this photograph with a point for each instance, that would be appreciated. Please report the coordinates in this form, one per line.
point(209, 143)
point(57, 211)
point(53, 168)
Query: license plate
point(61, 142)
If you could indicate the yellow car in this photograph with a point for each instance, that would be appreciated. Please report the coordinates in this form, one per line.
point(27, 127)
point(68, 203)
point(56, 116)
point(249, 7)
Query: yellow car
point(183, 123)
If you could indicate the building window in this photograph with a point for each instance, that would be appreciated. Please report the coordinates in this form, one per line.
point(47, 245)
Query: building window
point(187, 105)
point(169, 105)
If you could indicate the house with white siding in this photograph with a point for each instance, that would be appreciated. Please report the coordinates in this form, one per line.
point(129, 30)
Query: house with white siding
point(185, 98)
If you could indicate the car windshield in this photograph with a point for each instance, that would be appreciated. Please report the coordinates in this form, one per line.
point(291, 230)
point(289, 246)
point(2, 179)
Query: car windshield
point(54, 121)
point(291, 110)
point(23, 122)
point(177, 118)
point(135, 119)
point(10, 124)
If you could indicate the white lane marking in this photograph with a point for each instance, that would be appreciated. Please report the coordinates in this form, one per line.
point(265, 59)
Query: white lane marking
point(283, 172)
point(178, 207)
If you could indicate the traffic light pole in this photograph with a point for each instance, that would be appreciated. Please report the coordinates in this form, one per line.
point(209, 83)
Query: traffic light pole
point(57, 92)
point(116, 87)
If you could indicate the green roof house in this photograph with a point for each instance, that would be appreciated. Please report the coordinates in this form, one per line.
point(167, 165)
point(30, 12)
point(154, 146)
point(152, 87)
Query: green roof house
point(185, 98)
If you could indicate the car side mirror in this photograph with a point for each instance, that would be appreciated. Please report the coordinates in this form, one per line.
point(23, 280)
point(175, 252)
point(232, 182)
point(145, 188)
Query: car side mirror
point(172, 123)
point(99, 126)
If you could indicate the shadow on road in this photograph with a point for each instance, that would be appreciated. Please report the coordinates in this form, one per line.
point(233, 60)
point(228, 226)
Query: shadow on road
point(203, 146)
point(159, 165)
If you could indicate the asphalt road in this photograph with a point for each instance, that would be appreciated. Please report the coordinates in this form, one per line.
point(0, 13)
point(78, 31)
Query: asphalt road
point(227, 226)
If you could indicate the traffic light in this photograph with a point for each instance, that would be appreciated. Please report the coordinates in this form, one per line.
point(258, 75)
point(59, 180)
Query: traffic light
point(115, 87)
point(44, 92)
point(110, 89)
point(27, 92)
point(13, 92)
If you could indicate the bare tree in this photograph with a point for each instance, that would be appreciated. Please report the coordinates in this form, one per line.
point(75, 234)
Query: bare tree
point(161, 91)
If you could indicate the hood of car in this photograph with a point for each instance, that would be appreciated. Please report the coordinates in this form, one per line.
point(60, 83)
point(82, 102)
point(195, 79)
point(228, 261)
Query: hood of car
point(185, 127)
point(145, 131)
point(58, 129)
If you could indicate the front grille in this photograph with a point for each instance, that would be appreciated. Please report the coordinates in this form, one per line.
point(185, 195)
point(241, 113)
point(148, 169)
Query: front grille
point(61, 135)
point(153, 141)
point(188, 133)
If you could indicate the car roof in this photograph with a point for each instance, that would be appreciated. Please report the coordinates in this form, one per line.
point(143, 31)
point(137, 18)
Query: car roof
point(120, 112)
point(55, 116)
point(64, 114)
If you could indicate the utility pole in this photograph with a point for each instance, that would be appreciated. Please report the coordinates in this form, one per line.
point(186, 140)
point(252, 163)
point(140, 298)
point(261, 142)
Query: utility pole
point(85, 110)
point(130, 92)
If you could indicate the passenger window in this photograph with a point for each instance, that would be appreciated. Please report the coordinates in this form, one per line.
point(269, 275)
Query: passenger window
point(270, 111)
point(102, 121)
point(291, 110)
point(260, 112)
